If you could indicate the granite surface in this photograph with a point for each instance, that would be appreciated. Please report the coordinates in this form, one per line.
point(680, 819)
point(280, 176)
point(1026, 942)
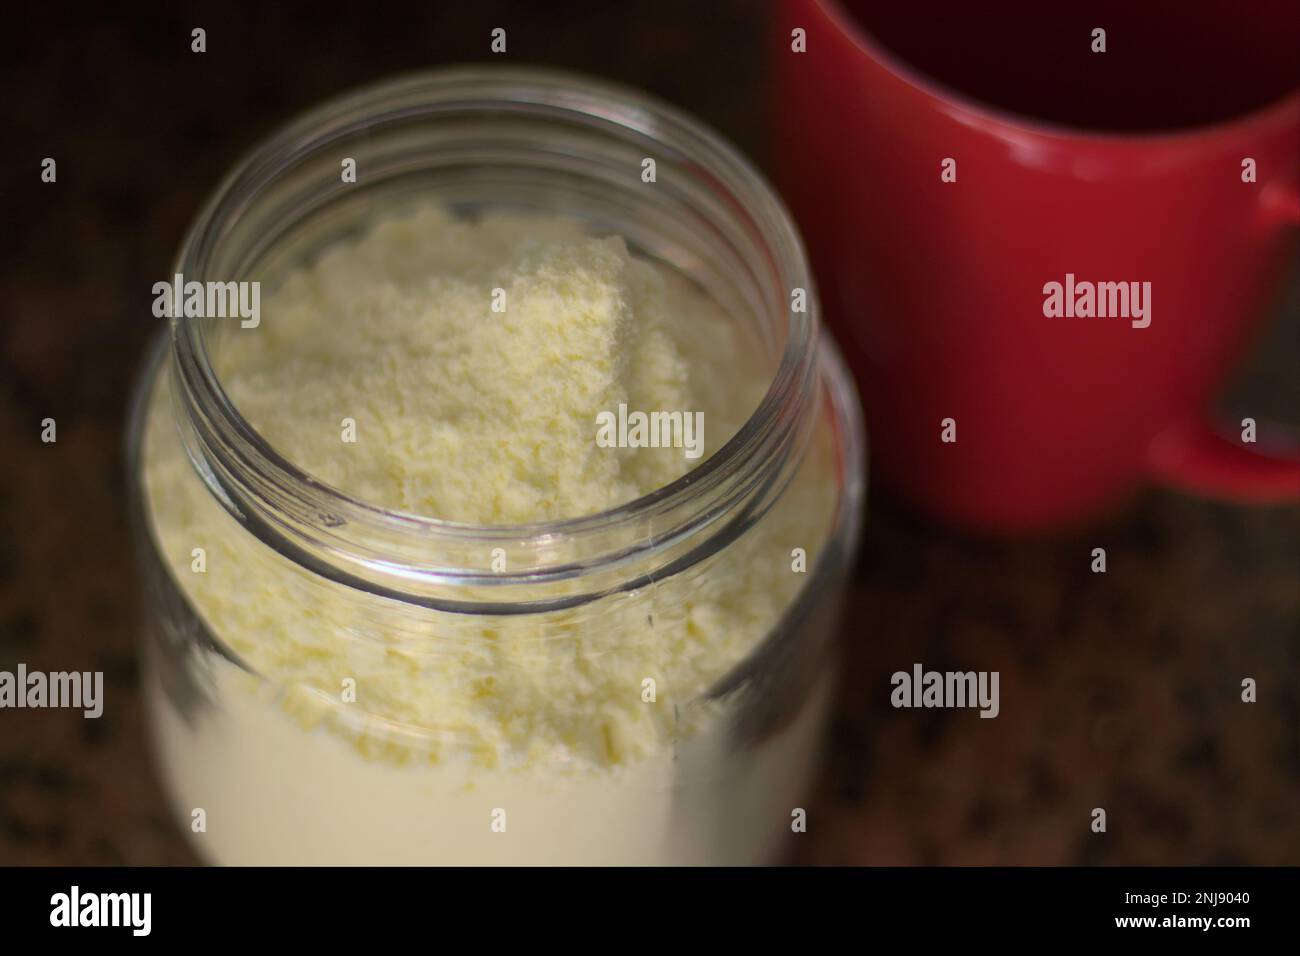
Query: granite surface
point(1119, 690)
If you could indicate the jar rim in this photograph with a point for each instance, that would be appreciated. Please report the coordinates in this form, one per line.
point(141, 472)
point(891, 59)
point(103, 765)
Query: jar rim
point(232, 445)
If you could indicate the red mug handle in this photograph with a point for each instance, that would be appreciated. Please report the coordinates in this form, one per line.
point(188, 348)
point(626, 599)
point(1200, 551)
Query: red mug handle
point(1199, 457)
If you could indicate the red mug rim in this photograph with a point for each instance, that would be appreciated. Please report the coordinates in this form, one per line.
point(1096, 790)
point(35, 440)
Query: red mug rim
point(994, 118)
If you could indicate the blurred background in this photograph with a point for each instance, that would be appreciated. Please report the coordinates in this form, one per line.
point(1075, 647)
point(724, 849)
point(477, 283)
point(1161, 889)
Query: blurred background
point(1119, 690)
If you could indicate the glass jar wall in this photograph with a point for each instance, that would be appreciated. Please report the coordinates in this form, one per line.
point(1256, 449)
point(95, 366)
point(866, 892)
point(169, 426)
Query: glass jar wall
point(334, 680)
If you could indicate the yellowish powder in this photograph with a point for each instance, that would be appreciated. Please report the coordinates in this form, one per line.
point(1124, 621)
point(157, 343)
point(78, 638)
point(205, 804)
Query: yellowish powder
point(469, 414)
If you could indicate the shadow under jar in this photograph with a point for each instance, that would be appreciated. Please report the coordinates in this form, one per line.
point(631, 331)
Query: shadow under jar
point(330, 681)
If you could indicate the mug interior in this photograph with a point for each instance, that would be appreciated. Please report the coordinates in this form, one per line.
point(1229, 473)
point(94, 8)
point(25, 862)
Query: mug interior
point(1166, 66)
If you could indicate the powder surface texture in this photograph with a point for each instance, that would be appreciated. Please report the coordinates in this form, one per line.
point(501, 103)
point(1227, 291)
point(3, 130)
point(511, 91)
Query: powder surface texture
point(468, 414)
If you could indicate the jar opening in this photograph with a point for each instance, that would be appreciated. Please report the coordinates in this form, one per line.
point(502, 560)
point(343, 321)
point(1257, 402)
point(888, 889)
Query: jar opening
point(525, 139)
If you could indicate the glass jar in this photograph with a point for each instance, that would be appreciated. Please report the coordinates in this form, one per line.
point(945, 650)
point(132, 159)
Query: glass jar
point(602, 744)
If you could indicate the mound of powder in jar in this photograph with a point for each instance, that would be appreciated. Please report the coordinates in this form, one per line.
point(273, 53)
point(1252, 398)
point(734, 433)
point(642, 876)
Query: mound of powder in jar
point(472, 360)
point(466, 413)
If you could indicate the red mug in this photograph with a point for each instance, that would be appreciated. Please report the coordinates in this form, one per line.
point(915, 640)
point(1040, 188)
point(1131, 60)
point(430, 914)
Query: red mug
point(1043, 263)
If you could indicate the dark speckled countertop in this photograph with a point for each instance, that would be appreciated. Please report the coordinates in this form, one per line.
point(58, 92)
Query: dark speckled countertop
point(1119, 690)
